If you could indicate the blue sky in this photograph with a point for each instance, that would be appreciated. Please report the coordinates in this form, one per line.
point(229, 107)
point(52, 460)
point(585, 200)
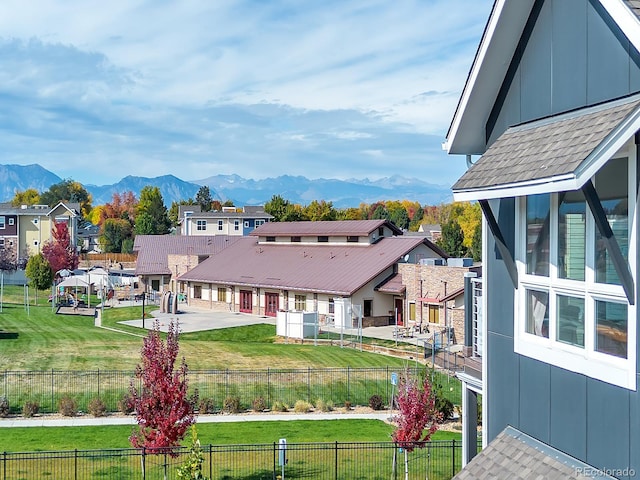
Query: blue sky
point(96, 90)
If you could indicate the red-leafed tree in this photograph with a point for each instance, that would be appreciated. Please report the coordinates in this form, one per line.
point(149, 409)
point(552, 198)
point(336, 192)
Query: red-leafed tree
point(60, 252)
point(418, 417)
point(164, 410)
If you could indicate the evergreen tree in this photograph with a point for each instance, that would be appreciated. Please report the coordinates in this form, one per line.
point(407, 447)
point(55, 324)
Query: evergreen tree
point(152, 204)
point(203, 198)
point(451, 240)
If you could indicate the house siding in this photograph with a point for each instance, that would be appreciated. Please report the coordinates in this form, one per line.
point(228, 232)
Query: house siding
point(572, 55)
point(583, 417)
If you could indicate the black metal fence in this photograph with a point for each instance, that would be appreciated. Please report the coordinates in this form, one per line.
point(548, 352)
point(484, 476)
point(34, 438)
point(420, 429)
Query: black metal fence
point(438, 460)
point(336, 385)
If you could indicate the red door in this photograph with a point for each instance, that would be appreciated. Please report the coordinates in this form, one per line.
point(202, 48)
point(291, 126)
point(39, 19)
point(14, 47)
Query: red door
point(271, 309)
point(399, 305)
point(246, 301)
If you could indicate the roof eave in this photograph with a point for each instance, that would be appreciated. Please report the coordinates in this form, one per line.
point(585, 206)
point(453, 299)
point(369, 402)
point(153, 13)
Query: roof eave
point(500, 38)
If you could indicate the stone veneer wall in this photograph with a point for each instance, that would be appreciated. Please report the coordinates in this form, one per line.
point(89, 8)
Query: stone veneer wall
point(422, 281)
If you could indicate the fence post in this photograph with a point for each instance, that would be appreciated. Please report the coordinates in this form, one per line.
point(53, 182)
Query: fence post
point(4, 466)
point(98, 383)
point(144, 464)
point(274, 461)
point(336, 461)
point(308, 384)
point(52, 392)
point(453, 457)
point(75, 464)
point(269, 386)
point(348, 383)
point(210, 461)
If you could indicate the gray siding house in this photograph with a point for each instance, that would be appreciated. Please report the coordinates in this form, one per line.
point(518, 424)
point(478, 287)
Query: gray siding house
point(552, 106)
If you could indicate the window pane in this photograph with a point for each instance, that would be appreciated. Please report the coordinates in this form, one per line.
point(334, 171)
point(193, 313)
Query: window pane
point(538, 209)
point(571, 235)
point(537, 313)
point(611, 186)
point(570, 320)
point(611, 328)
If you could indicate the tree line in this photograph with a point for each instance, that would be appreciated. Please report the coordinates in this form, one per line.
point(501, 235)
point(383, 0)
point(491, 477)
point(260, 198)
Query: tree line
point(127, 215)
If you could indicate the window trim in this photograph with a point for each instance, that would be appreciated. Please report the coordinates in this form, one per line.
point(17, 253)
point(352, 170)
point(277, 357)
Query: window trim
point(201, 225)
point(584, 360)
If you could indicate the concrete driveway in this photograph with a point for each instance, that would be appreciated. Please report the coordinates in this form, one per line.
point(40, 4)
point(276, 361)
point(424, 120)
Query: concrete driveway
point(193, 319)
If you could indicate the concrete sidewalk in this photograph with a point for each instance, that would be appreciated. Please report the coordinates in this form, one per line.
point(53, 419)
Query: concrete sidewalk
point(86, 420)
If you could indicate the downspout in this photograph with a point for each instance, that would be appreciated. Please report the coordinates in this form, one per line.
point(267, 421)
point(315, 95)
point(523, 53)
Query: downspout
point(469, 162)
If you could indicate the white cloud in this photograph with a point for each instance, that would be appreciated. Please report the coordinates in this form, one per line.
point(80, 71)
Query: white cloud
point(196, 88)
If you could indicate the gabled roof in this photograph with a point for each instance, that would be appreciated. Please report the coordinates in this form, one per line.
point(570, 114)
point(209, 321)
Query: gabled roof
point(517, 456)
point(499, 42)
point(392, 285)
point(153, 249)
point(558, 153)
point(323, 268)
point(329, 228)
point(72, 208)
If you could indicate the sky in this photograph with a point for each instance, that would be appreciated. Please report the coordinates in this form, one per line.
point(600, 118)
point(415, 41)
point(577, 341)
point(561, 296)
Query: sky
point(97, 90)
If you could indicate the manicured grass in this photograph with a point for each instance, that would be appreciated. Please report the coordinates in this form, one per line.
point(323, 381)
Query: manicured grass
point(68, 342)
point(297, 431)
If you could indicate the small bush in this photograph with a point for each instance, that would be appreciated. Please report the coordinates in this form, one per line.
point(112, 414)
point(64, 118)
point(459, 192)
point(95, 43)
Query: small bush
point(126, 404)
point(259, 404)
point(97, 407)
point(5, 408)
point(347, 405)
point(67, 406)
point(302, 406)
point(375, 402)
point(445, 407)
point(280, 407)
point(207, 405)
point(323, 406)
point(29, 409)
point(231, 405)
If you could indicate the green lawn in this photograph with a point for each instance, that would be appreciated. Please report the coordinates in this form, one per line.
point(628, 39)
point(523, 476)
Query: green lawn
point(297, 431)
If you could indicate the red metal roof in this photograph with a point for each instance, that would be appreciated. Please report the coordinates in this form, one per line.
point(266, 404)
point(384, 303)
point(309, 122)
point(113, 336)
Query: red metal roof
point(326, 268)
point(154, 249)
point(329, 228)
point(392, 285)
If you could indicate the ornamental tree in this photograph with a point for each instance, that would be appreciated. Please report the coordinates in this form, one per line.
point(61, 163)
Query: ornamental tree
point(418, 419)
point(164, 411)
point(60, 252)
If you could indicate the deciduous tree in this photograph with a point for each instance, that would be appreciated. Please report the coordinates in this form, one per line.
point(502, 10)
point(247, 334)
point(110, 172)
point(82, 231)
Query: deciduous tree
point(164, 410)
point(418, 417)
point(59, 251)
point(29, 197)
point(39, 273)
point(67, 191)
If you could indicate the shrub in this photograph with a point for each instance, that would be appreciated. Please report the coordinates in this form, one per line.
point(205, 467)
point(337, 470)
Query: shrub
point(29, 409)
point(323, 406)
point(5, 409)
point(67, 406)
point(126, 404)
point(445, 407)
point(302, 406)
point(280, 407)
point(97, 407)
point(375, 402)
point(231, 405)
point(259, 404)
point(207, 405)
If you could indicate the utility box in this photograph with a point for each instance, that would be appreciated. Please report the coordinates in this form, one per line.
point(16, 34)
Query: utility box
point(282, 452)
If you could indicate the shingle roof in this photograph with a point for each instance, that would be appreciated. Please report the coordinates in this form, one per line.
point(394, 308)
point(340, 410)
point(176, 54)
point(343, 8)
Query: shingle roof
point(634, 6)
point(546, 148)
point(339, 227)
point(513, 455)
point(154, 249)
point(326, 268)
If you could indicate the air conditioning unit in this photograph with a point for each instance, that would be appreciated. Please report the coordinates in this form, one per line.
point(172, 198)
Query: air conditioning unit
point(432, 261)
point(460, 262)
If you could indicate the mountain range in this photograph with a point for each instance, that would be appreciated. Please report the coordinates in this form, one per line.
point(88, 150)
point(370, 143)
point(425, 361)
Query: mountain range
point(241, 191)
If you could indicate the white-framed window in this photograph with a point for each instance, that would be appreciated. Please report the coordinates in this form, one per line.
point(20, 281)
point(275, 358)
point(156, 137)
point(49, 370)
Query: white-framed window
point(220, 224)
point(236, 225)
point(259, 222)
point(300, 303)
point(1, 242)
point(2, 221)
point(572, 310)
point(12, 221)
point(201, 225)
point(246, 224)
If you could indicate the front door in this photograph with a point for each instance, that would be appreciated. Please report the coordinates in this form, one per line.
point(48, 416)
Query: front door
point(399, 312)
point(246, 301)
point(271, 299)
